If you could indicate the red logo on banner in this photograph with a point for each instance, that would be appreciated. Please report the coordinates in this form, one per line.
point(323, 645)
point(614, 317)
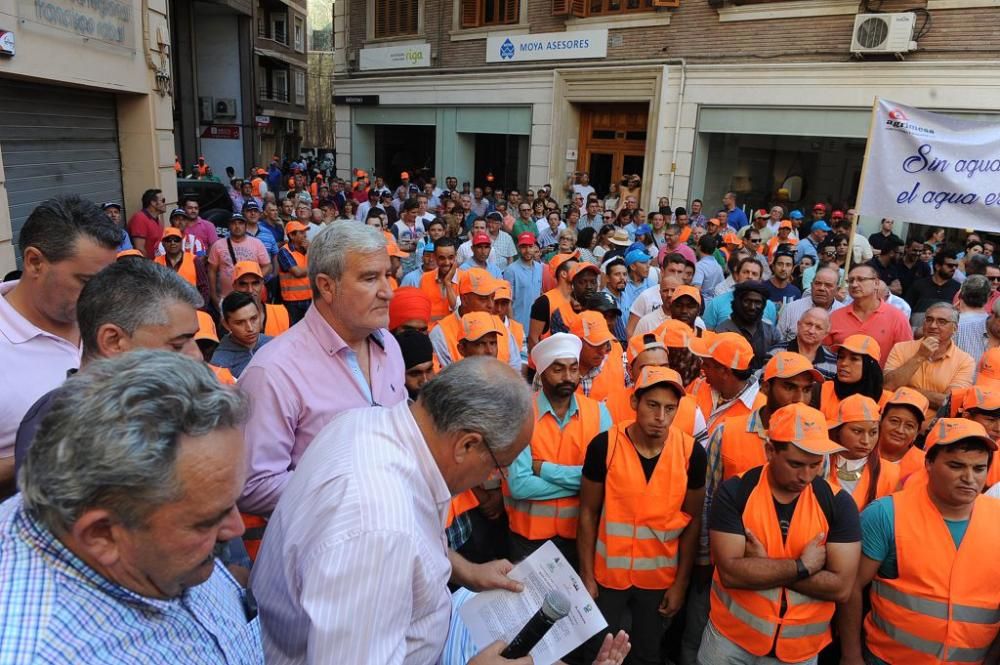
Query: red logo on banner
point(896, 114)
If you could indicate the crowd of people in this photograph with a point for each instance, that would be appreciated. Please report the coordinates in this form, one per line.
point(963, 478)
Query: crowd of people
point(312, 435)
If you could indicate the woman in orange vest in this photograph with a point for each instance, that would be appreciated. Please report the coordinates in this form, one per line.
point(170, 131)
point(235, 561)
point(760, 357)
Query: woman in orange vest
point(293, 272)
point(902, 419)
point(641, 498)
point(859, 469)
point(858, 373)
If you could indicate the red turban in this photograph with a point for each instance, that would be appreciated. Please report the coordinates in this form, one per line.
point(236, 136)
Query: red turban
point(407, 304)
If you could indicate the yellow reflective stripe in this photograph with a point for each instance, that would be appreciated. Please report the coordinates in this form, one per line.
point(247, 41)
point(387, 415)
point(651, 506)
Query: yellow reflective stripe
point(738, 611)
point(624, 530)
point(637, 563)
point(936, 608)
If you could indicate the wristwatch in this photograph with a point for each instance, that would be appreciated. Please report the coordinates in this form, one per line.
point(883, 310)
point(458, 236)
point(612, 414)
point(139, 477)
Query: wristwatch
point(800, 569)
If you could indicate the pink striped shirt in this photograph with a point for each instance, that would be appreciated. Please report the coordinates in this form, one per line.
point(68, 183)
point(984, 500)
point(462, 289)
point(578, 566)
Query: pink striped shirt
point(354, 565)
point(297, 383)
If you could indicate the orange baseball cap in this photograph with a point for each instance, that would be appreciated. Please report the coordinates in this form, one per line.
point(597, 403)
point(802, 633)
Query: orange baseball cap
point(675, 334)
point(129, 252)
point(394, 250)
point(862, 344)
point(804, 427)
point(951, 430)
point(729, 349)
point(908, 397)
point(478, 281)
point(732, 239)
point(246, 268)
point(856, 408)
point(785, 224)
point(687, 290)
point(786, 364)
point(206, 327)
point(580, 267)
point(503, 292)
point(640, 343)
point(984, 398)
point(655, 375)
point(172, 232)
point(477, 324)
point(712, 220)
point(592, 328)
point(560, 259)
point(293, 226)
point(989, 368)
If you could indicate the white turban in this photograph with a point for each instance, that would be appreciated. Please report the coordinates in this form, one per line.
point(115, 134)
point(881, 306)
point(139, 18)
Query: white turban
point(551, 349)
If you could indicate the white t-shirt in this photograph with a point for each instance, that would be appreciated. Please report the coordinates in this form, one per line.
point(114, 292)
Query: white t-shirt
point(583, 190)
point(407, 237)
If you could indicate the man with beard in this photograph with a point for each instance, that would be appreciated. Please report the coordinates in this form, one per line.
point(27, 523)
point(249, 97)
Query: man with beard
point(720, 307)
point(780, 289)
point(747, 320)
point(941, 286)
point(554, 310)
point(418, 360)
point(542, 488)
point(616, 278)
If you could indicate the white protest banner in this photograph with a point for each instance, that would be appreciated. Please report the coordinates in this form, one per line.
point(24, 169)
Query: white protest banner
point(931, 169)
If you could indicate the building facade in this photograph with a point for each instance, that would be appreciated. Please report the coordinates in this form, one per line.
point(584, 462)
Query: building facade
point(697, 97)
point(85, 106)
point(282, 66)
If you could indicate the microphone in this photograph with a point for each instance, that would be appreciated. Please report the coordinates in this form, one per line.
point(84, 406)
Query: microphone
point(554, 607)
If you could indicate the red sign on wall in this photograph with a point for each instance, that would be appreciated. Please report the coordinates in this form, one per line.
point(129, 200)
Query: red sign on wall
point(221, 132)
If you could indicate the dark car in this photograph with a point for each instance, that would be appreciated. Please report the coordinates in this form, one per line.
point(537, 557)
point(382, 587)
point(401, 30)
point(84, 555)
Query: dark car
point(213, 199)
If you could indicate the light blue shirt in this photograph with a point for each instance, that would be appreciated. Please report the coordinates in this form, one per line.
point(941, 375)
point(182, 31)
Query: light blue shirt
point(707, 275)
point(806, 247)
point(525, 287)
point(489, 267)
point(631, 292)
point(721, 308)
point(412, 278)
point(555, 481)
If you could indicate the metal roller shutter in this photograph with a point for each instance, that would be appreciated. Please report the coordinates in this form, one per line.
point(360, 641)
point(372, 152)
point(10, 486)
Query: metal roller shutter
point(54, 141)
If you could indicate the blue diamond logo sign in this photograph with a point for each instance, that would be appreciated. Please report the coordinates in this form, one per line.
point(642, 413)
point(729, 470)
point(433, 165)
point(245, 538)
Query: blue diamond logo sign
point(507, 50)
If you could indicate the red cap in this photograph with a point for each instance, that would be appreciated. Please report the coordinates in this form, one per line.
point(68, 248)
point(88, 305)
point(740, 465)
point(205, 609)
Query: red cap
point(820, 206)
point(837, 214)
point(481, 239)
point(526, 238)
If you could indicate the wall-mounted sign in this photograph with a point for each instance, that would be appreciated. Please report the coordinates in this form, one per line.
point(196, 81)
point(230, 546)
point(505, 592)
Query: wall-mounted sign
point(263, 120)
point(221, 132)
point(356, 100)
point(396, 57)
point(6, 42)
point(109, 22)
point(574, 45)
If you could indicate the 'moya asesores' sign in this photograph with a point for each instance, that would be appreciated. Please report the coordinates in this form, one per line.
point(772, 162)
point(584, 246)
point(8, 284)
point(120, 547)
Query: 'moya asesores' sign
point(396, 57)
point(573, 45)
point(932, 169)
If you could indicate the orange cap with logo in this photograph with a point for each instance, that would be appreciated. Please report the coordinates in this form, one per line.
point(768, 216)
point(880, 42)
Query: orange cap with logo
point(687, 290)
point(206, 328)
point(503, 292)
point(654, 375)
point(984, 398)
point(951, 430)
point(908, 397)
point(989, 368)
point(729, 349)
point(675, 334)
point(172, 232)
point(861, 344)
point(477, 324)
point(856, 408)
point(592, 328)
point(804, 427)
point(293, 226)
point(639, 343)
point(786, 364)
point(478, 281)
point(581, 267)
point(246, 268)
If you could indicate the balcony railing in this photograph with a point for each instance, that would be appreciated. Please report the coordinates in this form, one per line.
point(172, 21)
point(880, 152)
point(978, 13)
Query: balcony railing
point(274, 96)
point(280, 36)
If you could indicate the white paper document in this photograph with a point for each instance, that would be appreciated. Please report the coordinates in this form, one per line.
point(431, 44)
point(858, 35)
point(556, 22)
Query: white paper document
point(499, 615)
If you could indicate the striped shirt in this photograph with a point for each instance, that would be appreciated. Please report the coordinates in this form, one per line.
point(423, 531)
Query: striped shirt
point(54, 608)
point(354, 566)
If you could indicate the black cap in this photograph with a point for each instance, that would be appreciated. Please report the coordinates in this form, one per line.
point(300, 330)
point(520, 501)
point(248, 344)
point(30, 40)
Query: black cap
point(415, 347)
point(752, 285)
point(601, 301)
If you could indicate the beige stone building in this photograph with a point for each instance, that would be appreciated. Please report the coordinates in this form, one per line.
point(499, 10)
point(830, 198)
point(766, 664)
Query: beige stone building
point(85, 105)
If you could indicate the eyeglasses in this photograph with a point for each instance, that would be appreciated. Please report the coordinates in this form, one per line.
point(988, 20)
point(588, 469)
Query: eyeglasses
point(171, 239)
point(753, 241)
point(858, 280)
point(502, 469)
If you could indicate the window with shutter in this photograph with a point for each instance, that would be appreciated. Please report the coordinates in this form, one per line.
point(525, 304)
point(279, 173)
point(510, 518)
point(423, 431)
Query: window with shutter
point(611, 7)
point(395, 18)
point(560, 7)
point(480, 13)
point(470, 13)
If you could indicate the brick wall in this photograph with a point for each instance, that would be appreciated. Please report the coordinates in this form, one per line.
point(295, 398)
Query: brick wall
point(695, 33)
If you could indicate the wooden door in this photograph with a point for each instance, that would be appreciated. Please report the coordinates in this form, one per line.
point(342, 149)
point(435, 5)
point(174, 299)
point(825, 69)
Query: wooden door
point(612, 142)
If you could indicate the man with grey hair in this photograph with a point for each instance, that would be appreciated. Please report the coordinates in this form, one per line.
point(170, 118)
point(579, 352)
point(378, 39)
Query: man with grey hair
point(932, 365)
point(128, 494)
point(354, 567)
point(339, 357)
point(822, 293)
point(973, 296)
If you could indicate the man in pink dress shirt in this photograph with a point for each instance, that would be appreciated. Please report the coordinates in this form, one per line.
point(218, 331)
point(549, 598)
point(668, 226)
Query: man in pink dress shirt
point(339, 357)
point(64, 242)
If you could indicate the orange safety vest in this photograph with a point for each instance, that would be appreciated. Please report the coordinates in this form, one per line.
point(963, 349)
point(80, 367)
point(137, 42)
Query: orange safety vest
point(277, 320)
point(439, 301)
point(773, 242)
point(559, 303)
point(642, 521)
point(941, 608)
point(702, 393)
point(254, 526)
point(255, 186)
point(295, 289)
point(462, 503)
point(611, 378)
point(685, 234)
point(742, 448)
point(517, 332)
point(888, 482)
point(224, 376)
point(452, 328)
point(829, 402)
point(186, 269)
point(910, 463)
point(538, 519)
point(752, 618)
point(619, 405)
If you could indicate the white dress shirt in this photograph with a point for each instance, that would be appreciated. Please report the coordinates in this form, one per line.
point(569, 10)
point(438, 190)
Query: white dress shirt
point(354, 566)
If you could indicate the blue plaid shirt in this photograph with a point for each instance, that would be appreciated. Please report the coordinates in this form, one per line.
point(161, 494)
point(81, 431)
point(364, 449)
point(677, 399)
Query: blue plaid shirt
point(54, 608)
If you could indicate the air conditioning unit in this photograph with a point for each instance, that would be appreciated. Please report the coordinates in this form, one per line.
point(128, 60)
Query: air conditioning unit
point(225, 108)
point(883, 33)
point(206, 110)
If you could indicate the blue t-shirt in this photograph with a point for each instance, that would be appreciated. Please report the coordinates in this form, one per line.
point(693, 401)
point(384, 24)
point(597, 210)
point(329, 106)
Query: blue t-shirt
point(783, 295)
point(736, 219)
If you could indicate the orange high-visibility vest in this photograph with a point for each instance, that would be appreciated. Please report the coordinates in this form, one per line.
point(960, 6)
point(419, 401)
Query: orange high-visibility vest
point(910, 463)
point(559, 303)
point(685, 233)
point(642, 521)
point(610, 379)
point(751, 619)
point(619, 405)
point(224, 376)
point(254, 533)
point(295, 289)
point(255, 186)
point(186, 269)
point(277, 320)
point(829, 402)
point(452, 329)
point(702, 393)
point(741, 450)
point(941, 608)
point(517, 332)
point(888, 482)
point(462, 503)
point(540, 520)
point(773, 243)
point(439, 301)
